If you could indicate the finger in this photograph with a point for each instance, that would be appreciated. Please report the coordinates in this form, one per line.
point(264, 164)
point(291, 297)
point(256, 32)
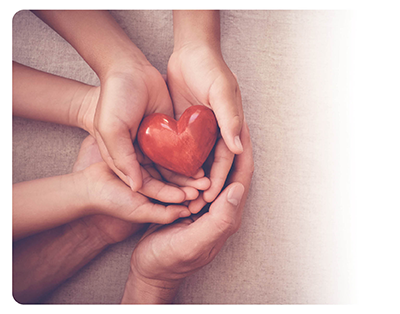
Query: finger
point(223, 159)
point(157, 213)
point(226, 102)
point(199, 174)
point(225, 212)
point(197, 205)
point(202, 183)
point(213, 228)
point(191, 193)
point(159, 190)
point(243, 166)
point(107, 158)
point(122, 158)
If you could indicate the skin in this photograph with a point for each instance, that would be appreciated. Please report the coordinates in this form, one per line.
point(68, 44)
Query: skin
point(167, 254)
point(43, 261)
point(132, 88)
point(42, 96)
point(197, 49)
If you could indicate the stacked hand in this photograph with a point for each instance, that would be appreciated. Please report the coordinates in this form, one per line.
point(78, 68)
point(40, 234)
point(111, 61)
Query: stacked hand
point(167, 254)
point(115, 189)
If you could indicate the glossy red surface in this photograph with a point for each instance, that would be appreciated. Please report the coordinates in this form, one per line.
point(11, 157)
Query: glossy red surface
point(181, 146)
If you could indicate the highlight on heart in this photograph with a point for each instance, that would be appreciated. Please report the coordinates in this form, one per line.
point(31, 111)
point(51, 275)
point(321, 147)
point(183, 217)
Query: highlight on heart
point(181, 146)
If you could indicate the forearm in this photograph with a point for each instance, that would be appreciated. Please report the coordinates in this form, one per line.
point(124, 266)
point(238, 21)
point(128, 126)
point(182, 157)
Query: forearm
point(42, 96)
point(43, 261)
point(141, 291)
point(196, 27)
point(45, 203)
point(96, 36)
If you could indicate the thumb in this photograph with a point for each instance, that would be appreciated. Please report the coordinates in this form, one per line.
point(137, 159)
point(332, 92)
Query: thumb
point(224, 209)
point(118, 151)
point(226, 102)
point(223, 217)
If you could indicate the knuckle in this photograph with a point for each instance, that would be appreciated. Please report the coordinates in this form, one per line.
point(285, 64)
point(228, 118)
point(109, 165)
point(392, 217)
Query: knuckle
point(225, 224)
point(117, 163)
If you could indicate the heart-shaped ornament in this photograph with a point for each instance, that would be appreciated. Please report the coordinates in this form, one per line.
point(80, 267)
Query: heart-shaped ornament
point(181, 146)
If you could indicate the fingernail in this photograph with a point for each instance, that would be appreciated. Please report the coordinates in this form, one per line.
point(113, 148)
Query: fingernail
point(130, 182)
point(235, 194)
point(238, 143)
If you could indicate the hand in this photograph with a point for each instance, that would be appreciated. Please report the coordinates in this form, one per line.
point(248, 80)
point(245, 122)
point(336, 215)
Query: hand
point(197, 74)
point(184, 188)
point(130, 87)
point(125, 98)
point(167, 254)
point(107, 194)
point(108, 229)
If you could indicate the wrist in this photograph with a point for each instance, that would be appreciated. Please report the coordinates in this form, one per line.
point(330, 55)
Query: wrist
point(196, 28)
point(80, 194)
point(142, 290)
point(83, 107)
point(125, 62)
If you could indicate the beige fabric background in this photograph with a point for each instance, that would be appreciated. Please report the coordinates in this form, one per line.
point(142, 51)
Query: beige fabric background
point(291, 65)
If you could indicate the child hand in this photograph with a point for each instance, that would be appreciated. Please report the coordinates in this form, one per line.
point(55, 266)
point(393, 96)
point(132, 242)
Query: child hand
point(180, 189)
point(197, 74)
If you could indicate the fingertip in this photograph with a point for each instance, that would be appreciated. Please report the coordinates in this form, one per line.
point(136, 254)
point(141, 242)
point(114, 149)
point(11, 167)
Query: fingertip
point(190, 193)
point(235, 194)
point(204, 183)
point(201, 184)
point(197, 205)
point(185, 213)
point(171, 213)
point(179, 196)
point(238, 144)
point(135, 185)
point(233, 141)
point(210, 195)
point(199, 174)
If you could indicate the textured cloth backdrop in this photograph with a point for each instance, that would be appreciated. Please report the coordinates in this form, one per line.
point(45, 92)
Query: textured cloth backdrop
point(292, 246)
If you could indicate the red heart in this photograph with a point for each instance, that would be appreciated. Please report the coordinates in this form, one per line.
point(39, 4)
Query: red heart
point(181, 146)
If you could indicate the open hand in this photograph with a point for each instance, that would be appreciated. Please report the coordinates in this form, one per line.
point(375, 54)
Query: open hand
point(167, 254)
point(107, 194)
point(198, 75)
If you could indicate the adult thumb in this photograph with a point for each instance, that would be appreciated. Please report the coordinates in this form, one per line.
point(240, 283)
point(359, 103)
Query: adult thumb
point(224, 210)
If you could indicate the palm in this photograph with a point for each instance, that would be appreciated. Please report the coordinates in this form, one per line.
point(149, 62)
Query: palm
point(173, 252)
point(188, 81)
point(160, 246)
point(125, 98)
point(196, 76)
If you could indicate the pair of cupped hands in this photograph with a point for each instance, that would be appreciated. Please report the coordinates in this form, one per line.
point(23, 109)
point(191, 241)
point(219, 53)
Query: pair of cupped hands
point(125, 184)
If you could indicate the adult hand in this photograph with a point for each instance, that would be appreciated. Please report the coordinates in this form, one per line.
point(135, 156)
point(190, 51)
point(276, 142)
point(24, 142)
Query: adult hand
point(167, 254)
point(198, 74)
